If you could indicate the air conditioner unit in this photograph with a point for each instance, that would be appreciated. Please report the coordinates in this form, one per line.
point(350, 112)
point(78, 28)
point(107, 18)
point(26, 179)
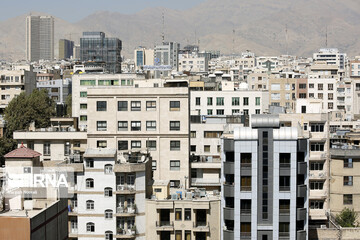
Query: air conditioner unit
point(323, 226)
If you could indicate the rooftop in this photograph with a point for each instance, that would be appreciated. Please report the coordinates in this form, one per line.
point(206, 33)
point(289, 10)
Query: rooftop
point(22, 152)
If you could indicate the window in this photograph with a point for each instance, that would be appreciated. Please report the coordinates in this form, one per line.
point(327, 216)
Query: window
point(284, 206)
point(83, 106)
point(245, 183)
point(89, 183)
point(245, 159)
point(174, 105)
point(330, 86)
point(212, 134)
point(320, 95)
point(284, 183)
point(311, 85)
point(311, 95)
point(246, 111)
point(330, 105)
point(135, 144)
point(302, 86)
point(122, 125)
point(178, 235)
point(101, 106)
point(348, 180)
point(153, 165)
point(150, 105)
point(90, 227)
point(122, 105)
point(135, 106)
point(151, 145)
point(206, 148)
point(87, 82)
point(330, 96)
point(150, 125)
point(317, 127)
point(257, 101)
point(67, 149)
point(187, 214)
point(209, 101)
point(235, 111)
point(348, 163)
point(275, 86)
point(347, 199)
point(235, 101)
point(220, 112)
point(174, 125)
point(284, 229)
point(316, 185)
point(245, 101)
point(89, 205)
point(317, 146)
point(108, 192)
point(193, 134)
point(320, 86)
point(135, 126)
point(83, 118)
point(178, 212)
point(175, 145)
point(197, 101)
point(175, 165)
point(275, 96)
point(101, 125)
point(89, 163)
point(108, 235)
point(257, 111)
point(47, 151)
point(316, 165)
point(101, 144)
point(209, 112)
point(108, 214)
point(220, 101)
point(108, 169)
point(245, 229)
point(285, 160)
point(245, 206)
point(316, 204)
point(123, 145)
point(27, 169)
point(302, 95)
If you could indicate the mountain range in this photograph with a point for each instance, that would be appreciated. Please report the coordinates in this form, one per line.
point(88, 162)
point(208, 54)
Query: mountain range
point(266, 27)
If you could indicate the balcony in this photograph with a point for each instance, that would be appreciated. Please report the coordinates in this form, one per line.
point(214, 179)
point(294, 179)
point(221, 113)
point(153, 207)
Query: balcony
point(245, 235)
point(284, 188)
point(317, 174)
point(122, 233)
point(228, 234)
point(209, 162)
point(164, 226)
point(125, 189)
point(317, 156)
point(205, 182)
point(245, 165)
point(201, 227)
point(284, 235)
point(228, 213)
point(301, 234)
point(245, 188)
point(301, 191)
point(228, 167)
point(126, 211)
point(302, 168)
point(301, 214)
point(228, 190)
point(284, 211)
point(345, 151)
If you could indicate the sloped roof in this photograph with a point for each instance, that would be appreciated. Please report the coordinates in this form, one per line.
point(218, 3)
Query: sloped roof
point(22, 152)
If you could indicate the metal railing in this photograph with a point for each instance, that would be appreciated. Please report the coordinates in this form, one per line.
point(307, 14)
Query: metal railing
point(284, 188)
point(245, 188)
point(164, 224)
point(125, 187)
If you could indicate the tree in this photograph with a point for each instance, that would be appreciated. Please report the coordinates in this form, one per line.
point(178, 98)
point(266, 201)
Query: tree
point(347, 218)
point(24, 109)
point(68, 103)
point(6, 146)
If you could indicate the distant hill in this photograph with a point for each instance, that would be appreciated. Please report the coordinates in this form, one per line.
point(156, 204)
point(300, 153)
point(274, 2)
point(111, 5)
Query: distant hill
point(226, 25)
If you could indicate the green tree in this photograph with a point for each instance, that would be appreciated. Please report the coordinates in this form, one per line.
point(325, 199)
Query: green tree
point(24, 109)
point(6, 145)
point(68, 103)
point(347, 218)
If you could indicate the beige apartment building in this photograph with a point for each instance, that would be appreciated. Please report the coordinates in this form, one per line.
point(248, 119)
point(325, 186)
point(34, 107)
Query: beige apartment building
point(153, 120)
point(282, 92)
point(193, 215)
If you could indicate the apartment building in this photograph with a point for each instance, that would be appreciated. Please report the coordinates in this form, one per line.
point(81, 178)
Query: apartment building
point(282, 93)
point(344, 165)
point(82, 82)
point(258, 80)
point(66, 48)
point(166, 54)
point(150, 119)
point(15, 81)
point(190, 215)
point(58, 90)
point(264, 170)
point(192, 63)
point(331, 56)
point(109, 194)
point(143, 56)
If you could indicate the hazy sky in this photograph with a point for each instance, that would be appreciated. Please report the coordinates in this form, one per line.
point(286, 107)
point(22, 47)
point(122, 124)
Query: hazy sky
point(74, 10)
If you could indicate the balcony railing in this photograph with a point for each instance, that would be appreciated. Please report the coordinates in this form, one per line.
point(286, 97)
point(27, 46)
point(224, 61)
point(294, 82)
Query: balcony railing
point(284, 188)
point(245, 165)
point(205, 181)
point(284, 165)
point(129, 209)
point(245, 211)
point(164, 224)
point(131, 231)
point(284, 234)
point(200, 224)
point(125, 187)
point(245, 188)
point(245, 235)
point(284, 211)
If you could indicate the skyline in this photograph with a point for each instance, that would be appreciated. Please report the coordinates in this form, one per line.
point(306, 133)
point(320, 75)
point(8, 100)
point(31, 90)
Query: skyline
point(70, 10)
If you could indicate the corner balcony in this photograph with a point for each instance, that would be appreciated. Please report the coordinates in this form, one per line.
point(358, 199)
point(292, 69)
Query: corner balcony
point(201, 227)
point(197, 182)
point(164, 226)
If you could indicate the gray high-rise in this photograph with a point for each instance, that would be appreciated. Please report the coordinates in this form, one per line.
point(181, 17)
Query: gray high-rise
point(97, 49)
point(39, 38)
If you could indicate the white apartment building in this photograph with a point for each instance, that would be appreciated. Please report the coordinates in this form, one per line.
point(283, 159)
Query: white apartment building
point(193, 63)
point(331, 56)
point(82, 82)
point(149, 119)
point(143, 56)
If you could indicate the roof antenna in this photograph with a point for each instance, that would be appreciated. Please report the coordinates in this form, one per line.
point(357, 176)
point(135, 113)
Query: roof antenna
point(286, 39)
point(233, 50)
point(163, 27)
point(326, 37)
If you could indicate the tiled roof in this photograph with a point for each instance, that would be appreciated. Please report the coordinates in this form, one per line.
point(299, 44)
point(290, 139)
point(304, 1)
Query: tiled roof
point(22, 152)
